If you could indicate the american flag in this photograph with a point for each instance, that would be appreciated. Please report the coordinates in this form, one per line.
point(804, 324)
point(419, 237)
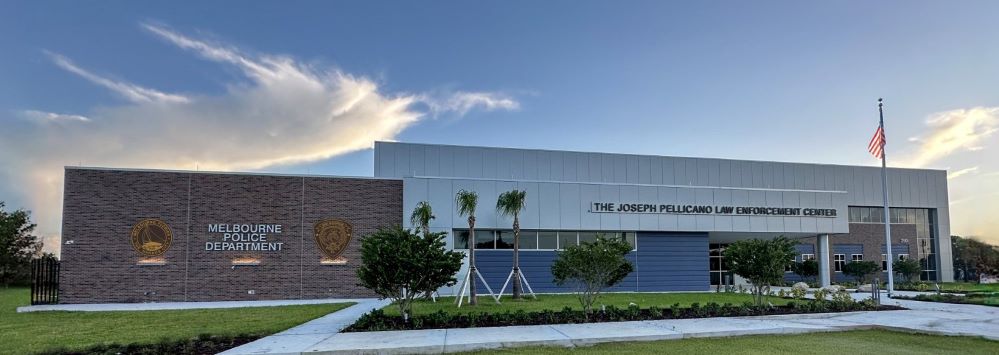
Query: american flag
point(877, 145)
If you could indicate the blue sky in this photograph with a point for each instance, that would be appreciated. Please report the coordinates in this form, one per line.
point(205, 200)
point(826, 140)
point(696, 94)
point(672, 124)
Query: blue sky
point(767, 80)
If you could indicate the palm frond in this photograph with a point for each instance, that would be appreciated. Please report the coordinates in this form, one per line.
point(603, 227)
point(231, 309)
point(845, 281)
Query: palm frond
point(511, 202)
point(466, 202)
point(422, 215)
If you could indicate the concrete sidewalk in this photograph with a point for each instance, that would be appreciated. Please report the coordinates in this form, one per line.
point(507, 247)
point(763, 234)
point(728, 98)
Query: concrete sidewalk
point(927, 317)
point(105, 307)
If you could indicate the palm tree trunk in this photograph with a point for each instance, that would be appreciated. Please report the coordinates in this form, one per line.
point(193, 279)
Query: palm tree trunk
point(516, 257)
point(473, 298)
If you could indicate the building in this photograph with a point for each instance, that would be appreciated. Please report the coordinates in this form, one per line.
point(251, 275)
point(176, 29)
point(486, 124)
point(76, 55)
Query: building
point(147, 235)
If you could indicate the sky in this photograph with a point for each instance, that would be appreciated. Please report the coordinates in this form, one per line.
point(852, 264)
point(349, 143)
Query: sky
point(308, 86)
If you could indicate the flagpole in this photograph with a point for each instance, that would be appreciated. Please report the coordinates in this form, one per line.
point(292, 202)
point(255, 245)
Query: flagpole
point(884, 189)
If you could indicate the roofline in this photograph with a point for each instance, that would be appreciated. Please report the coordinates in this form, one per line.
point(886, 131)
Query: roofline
point(652, 155)
point(99, 168)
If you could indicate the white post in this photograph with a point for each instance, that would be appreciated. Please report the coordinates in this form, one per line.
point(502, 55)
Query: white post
point(823, 251)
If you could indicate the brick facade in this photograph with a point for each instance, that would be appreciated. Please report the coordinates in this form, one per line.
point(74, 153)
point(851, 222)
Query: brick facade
point(101, 206)
point(871, 237)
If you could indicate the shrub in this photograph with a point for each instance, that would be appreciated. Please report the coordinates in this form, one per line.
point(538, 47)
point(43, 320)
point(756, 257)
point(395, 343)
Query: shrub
point(762, 262)
point(807, 269)
point(398, 264)
point(861, 270)
point(908, 269)
point(592, 267)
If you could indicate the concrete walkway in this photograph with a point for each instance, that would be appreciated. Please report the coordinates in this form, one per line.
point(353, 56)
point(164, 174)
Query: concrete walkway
point(298, 339)
point(322, 338)
point(105, 307)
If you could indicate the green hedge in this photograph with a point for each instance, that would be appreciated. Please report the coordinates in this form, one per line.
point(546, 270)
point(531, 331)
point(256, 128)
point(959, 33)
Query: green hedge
point(377, 320)
point(203, 344)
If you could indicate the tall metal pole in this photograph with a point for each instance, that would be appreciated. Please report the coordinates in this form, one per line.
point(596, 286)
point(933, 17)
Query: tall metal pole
point(884, 188)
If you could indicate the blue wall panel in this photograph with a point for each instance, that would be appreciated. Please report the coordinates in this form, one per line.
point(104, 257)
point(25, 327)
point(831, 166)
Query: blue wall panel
point(495, 266)
point(673, 262)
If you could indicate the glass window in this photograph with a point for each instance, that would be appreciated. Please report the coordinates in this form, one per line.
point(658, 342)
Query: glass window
point(854, 214)
point(884, 262)
point(547, 240)
point(460, 239)
point(484, 240)
point(865, 215)
point(807, 257)
point(528, 240)
point(838, 261)
point(903, 256)
point(878, 215)
point(631, 238)
point(856, 257)
point(504, 239)
point(910, 215)
point(589, 237)
point(566, 238)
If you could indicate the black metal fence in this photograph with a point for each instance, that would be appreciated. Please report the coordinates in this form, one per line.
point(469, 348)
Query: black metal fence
point(44, 281)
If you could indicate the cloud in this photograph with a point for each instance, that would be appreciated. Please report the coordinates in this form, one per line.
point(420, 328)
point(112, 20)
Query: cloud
point(463, 102)
point(129, 91)
point(51, 117)
point(954, 131)
point(285, 113)
point(959, 173)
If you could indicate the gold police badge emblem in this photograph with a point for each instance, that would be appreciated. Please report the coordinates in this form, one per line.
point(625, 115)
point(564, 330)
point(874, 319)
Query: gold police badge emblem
point(151, 237)
point(332, 237)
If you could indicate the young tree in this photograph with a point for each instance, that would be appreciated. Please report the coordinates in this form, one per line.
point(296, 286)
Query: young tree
point(908, 269)
point(467, 201)
point(861, 270)
point(592, 267)
point(807, 269)
point(510, 203)
point(421, 217)
point(17, 245)
point(399, 264)
point(762, 262)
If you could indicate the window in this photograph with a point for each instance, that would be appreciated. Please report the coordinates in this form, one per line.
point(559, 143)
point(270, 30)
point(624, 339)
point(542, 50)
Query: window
point(838, 261)
point(461, 239)
point(884, 262)
point(528, 240)
point(717, 267)
point(547, 240)
point(590, 237)
point(535, 239)
point(807, 257)
point(566, 238)
point(484, 240)
point(903, 256)
point(787, 268)
point(856, 257)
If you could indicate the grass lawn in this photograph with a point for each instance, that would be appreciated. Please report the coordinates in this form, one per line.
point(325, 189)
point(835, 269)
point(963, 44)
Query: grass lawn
point(851, 342)
point(557, 302)
point(958, 287)
point(25, 333)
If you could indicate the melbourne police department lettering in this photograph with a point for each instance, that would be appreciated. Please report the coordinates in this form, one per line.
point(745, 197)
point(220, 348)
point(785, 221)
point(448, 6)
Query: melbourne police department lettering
point(610, 207)
point(244, 237)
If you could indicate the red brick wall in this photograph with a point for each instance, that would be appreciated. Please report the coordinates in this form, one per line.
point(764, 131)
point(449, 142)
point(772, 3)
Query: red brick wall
point(101, 206)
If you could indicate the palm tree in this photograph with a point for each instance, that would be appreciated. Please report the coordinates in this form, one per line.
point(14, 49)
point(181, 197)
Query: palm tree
point(466, 202)
point(510, 203)
point(421, 217)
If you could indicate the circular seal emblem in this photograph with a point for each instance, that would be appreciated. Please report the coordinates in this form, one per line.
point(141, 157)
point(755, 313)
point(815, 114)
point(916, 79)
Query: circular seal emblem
point(332, 237)
point(151, 237)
